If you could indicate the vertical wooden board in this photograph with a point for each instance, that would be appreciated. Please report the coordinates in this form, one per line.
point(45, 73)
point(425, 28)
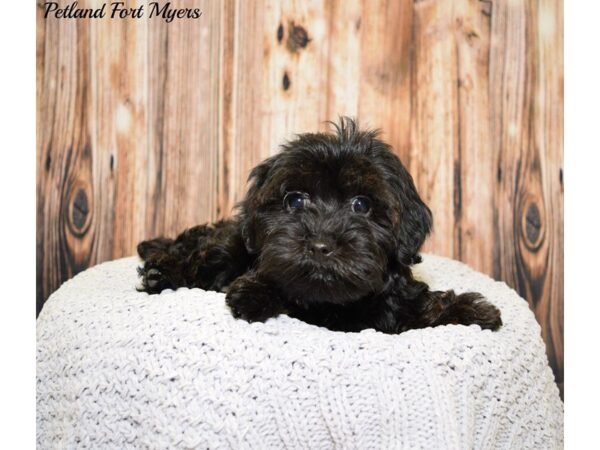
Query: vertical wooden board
point(507, 106)
point(156, 122)
point(548, 139)
point(228, 55)
point(434, 135)
point(342, 90)
point(453, 156)
point(40, 162)
point(474, 160)
point(526, 93)
point(280, 74)
point(247, 144)
point(183, 108)
point(295, 68)
point(118, 87)
point(65, 196)
point(386, 61)
point(40, 45)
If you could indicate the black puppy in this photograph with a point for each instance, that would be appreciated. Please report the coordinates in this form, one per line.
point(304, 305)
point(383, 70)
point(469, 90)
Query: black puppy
point(327, 233)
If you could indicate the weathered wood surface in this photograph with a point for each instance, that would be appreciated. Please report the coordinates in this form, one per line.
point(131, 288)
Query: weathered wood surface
point(146, 128)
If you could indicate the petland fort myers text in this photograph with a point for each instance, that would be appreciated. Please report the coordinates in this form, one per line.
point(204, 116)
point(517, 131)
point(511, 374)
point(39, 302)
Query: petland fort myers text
point(119, 10)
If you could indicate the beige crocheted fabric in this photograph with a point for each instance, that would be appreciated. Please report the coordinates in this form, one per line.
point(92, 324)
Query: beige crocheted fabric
point(121, 369)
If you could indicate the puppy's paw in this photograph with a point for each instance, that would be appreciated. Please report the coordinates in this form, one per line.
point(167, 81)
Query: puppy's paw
point(153, 281)
point(471, 308)
point(249, 300)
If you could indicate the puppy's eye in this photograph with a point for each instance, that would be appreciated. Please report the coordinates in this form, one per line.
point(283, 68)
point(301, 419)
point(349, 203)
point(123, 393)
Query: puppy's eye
point(361, 205)
point(295, 200)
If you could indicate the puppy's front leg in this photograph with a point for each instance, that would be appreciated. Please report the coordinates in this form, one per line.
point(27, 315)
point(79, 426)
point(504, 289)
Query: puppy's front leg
point(208, 257)
point(444, 308)
point(253, 299)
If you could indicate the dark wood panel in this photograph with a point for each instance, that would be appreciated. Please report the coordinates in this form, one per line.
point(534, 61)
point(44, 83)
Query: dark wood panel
point(67, 225)
point(526, 116)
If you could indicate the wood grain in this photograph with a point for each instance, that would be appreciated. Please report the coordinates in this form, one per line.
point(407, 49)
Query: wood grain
point(65, 193)
point(146, 127)
point(182, 94)
point(386, 64)
point(434, 132)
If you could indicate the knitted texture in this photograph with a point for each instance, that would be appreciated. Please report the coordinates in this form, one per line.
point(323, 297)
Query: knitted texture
point(121, 369)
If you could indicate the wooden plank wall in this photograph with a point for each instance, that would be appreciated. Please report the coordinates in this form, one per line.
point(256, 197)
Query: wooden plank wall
point(146, 128)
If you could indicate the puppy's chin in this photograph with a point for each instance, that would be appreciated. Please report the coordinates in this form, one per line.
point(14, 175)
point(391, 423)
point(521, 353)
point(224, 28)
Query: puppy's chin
point(306, 281)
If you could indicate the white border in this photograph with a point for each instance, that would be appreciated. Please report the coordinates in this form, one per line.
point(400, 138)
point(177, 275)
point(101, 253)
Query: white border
point(17, 235)
point(582, 224)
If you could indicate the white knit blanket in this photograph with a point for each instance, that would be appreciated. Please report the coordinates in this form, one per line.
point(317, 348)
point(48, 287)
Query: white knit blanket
point(120, 369)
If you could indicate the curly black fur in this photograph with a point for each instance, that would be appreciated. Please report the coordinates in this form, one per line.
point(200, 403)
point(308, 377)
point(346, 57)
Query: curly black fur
point(317, 257)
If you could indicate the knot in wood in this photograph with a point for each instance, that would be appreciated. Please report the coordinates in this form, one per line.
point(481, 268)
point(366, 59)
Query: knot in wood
point(79, 212)
point(286, 81)
point(533, 226)
point(297, 38)
point(80, 209)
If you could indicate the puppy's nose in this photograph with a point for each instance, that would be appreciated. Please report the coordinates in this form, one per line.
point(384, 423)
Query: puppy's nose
point(321, 248)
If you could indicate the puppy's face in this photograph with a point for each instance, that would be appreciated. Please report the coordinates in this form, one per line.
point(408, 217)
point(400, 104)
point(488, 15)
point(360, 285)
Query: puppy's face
point(331, 214)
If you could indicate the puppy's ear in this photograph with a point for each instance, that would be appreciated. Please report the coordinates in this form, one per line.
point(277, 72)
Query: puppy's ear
point(416, 220)
point(251, 204)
